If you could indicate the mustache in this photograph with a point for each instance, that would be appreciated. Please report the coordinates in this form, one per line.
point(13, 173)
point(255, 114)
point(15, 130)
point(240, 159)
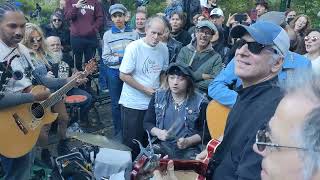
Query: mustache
point(18, 36)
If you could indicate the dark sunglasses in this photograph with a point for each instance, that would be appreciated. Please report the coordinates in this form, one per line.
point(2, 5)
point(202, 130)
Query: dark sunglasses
point(313, 38)
point(56, 20)
point(36, 39)
point(254, 47)
point(263, 140)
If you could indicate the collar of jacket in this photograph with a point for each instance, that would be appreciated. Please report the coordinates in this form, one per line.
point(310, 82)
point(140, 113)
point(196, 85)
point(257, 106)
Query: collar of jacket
point(114, 29)
point(193, 46)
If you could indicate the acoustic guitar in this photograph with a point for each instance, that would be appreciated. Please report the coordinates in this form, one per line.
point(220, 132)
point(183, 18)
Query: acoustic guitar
point(20, 125)
point(216, 119)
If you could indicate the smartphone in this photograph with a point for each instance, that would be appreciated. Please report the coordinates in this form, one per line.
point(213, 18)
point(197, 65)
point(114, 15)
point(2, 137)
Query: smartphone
point(240, 17)
point(253, 14)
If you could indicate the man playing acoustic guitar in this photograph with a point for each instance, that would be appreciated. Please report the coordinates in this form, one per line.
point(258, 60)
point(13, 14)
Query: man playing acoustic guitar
point(16, 79)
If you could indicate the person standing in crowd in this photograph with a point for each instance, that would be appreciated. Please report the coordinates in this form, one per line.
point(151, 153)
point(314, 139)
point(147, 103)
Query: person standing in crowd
point(289, 144)
point(222, 88)
point(207, 6)
point(16, 91)
point(205, 62)
point(141, 18)
point(176, 115)
point(262, 7)
point(190, 8)
point(86, 19)
point(301, 25)
point(312, 44)
point(143, 61)
point(115, 42)
point(220, 44)
point(173, 45)
point(290, 15)
point(173, 6)
point(57, 27)
point(177, 22)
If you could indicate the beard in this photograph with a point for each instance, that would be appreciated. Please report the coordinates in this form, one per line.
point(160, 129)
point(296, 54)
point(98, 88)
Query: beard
point(56, 56)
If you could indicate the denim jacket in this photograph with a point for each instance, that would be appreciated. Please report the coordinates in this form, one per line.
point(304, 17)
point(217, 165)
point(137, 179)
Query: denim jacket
point(191, 110)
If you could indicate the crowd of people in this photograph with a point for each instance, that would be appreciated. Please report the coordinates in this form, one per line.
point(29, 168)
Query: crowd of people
point(161, 72)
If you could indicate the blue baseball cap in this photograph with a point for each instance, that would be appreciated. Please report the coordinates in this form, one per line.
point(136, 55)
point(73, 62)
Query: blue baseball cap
point(117, 8)
point(265, 33)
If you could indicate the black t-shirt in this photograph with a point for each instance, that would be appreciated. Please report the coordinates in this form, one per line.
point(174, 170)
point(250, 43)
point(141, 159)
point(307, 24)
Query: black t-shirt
point(255, 105)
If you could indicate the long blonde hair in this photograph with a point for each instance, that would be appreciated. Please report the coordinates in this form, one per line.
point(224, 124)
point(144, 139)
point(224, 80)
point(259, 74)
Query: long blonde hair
point(30, 28)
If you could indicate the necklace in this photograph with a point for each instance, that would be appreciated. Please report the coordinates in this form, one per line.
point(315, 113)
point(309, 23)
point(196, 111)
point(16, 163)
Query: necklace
point(178, 103)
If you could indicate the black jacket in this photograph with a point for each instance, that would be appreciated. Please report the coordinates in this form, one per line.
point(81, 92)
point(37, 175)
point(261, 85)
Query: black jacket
point(235, 158)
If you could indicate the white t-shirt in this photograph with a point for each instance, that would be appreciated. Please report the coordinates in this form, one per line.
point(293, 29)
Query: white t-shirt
point(20, 64)
point(144, 63)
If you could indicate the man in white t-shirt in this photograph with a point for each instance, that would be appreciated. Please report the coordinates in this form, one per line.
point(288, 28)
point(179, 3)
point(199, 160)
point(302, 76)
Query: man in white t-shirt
point(143, 61)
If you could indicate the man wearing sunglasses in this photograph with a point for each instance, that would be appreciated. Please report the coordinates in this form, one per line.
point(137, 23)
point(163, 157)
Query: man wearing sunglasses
point(258, 59)
point(221, 89)
point(290, 144)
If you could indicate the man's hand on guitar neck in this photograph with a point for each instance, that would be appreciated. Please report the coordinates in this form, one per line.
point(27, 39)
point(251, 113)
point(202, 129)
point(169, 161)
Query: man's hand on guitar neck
point(80, 76)
point(42, 95)
point(167, 175)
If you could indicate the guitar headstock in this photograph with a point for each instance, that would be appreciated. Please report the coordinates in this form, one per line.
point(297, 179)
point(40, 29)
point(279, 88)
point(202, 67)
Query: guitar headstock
point(91, 66)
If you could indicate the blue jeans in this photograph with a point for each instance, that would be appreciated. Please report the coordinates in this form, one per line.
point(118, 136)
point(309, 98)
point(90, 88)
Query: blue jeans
point(103, 76)
point(18, 168)
point(115, 88)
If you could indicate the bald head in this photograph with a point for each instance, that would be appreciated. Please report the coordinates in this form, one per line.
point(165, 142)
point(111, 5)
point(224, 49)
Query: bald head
point(53, 43)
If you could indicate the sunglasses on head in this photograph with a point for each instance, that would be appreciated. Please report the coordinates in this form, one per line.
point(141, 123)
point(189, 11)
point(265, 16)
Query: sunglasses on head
point(254, 47)
point(56, 20)
point(312, 38)
point(263, 141)
point(36, 39)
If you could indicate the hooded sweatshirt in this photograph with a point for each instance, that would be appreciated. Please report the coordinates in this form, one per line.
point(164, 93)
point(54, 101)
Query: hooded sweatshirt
point(85, 21)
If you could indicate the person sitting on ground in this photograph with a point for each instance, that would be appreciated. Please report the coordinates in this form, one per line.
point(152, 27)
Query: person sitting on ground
point(177, 22)
point(205, 62)
point(312, 43)
point(63, 70)
point(176, 115)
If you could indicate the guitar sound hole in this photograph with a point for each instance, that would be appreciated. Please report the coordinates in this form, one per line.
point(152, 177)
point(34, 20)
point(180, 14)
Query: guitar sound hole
point(37, 110)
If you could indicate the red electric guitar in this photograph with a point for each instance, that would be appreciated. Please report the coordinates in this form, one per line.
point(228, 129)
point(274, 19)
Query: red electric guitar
point(147, 162)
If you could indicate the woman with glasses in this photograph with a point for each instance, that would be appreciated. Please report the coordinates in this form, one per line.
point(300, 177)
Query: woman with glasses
point(312, 44)
point(57, 27)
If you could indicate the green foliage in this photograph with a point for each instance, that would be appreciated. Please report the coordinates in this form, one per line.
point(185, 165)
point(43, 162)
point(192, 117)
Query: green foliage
point(153, 7)
point(48, 6)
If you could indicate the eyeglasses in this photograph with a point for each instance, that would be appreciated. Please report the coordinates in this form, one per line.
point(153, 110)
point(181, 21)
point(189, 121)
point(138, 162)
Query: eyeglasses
point(313, 38)
point(207, 33)
point(263, 140)
point(56, 20)
point(36, 39)
point(254, 47)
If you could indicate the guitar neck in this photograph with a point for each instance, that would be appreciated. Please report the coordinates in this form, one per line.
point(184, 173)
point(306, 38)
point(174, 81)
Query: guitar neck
point(57, 96)
point(192, 165)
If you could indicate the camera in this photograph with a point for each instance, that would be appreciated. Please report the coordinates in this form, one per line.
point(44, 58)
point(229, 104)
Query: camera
point(240, 18)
